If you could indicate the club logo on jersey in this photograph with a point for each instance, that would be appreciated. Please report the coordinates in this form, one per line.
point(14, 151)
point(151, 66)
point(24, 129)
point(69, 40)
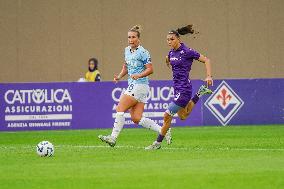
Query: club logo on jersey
point(224, 103)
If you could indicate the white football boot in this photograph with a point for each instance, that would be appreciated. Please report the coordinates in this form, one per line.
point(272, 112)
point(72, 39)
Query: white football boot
point(155, 146)
point(108, 139)
point(204, 90)
point(168, 137)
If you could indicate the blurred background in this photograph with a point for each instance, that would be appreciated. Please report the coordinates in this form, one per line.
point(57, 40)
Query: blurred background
point(52, 40)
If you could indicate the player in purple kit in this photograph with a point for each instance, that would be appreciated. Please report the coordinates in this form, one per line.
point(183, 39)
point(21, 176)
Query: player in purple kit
point(180, 59)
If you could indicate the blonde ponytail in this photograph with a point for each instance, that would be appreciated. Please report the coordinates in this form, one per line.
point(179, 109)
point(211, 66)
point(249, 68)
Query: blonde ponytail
point(137, 29)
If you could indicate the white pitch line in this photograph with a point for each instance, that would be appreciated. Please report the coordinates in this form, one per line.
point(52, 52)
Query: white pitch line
point(137, 147)
point(182, 148)
point(165, 148)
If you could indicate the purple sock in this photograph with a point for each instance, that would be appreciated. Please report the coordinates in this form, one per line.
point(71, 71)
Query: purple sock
point(160, 138)
point(195, 99)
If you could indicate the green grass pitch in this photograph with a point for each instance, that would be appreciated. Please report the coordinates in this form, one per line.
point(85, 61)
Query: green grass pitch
point(234, 157)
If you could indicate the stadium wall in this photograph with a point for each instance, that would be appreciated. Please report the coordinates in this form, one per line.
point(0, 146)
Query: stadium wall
point(44, 41)
point(72, 105)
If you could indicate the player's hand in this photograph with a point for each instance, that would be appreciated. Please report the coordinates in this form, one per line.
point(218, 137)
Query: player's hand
point(135, 76)
point(209, 81)
point(115, 78)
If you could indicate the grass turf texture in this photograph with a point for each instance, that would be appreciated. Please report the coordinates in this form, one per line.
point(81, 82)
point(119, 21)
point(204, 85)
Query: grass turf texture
point(200, 157)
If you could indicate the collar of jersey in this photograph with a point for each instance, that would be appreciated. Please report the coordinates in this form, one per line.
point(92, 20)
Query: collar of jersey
point(180, 47)
point(135, 49)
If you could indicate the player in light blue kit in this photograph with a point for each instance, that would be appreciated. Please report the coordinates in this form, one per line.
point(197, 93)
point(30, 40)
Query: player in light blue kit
point(138, 66)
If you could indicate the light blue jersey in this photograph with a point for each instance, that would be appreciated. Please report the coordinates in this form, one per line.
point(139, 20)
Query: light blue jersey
point(136, 62)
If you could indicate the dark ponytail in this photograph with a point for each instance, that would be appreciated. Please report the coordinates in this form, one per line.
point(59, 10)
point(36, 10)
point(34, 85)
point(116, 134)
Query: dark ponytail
point(184, 30)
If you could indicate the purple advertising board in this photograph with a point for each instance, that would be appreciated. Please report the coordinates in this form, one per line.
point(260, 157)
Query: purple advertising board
point(245, 102)
point(73, 105)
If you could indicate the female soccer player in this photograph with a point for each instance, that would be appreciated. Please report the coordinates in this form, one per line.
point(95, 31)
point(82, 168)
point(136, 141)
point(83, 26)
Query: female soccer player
point(138, 66)
point(180, 58)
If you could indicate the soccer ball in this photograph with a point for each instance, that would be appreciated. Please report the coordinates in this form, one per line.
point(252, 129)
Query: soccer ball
point(44, 149)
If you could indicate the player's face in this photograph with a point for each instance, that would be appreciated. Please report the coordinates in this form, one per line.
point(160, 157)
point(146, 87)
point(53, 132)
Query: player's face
point(133, 40)
point(173, 41)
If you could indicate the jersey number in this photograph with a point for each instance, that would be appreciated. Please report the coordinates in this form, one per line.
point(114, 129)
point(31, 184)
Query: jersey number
point(130, 87)
point(177, 96)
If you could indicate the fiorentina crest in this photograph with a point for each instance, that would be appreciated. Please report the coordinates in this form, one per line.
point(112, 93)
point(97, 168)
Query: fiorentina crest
point(224, 103)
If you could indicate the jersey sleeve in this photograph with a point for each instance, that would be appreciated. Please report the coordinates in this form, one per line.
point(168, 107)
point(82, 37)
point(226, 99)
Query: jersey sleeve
point(146, 58)
point(192, 54)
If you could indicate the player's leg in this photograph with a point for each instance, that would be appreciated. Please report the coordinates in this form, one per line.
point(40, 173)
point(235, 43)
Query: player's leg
point(168, 116)
point(136, 112)
point(137, 117)
point(140, 93)
point(183, 113)
point(124, 104)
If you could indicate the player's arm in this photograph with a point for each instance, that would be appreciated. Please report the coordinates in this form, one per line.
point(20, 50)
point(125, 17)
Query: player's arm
point(146, 72)
point(122, 73)
point(168, 61)
point(207, 63)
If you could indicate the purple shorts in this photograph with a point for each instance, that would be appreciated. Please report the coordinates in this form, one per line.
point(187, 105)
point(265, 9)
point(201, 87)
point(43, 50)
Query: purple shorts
point(182, 98)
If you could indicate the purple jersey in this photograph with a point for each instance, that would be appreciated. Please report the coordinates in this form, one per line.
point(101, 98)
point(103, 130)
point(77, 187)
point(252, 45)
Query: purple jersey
point(181, 61)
